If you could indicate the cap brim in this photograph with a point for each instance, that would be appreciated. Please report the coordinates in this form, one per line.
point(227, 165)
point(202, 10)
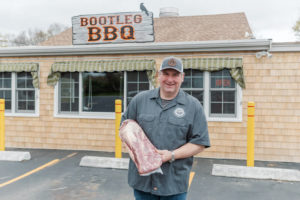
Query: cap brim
point(170, 68)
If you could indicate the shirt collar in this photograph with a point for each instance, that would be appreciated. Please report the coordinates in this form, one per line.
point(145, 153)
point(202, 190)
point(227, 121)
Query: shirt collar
point(154, 94)
point(180, 98)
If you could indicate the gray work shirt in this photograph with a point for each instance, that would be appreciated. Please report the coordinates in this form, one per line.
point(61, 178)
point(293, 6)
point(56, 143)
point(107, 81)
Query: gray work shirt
point(181, 121)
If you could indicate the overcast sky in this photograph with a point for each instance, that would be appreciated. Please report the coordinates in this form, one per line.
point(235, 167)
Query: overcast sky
point(268, 18)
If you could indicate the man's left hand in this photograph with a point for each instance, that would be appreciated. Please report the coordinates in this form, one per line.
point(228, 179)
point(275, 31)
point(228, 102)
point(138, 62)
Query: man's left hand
point(165, 155)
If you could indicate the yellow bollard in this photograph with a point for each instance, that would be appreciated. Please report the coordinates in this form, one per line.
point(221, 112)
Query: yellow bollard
point(118, 111)
point(250, 134)
point(2, 125)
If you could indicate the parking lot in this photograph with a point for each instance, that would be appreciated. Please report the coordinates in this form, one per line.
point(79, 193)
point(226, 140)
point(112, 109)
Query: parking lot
point(56, 174)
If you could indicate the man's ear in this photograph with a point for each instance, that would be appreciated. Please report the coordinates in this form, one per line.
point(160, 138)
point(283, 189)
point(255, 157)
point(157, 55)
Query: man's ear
point(158, 75)
point(182, 76)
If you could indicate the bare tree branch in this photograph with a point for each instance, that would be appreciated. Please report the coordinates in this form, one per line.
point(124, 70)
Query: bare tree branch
point(296, 29)
point(33, 37)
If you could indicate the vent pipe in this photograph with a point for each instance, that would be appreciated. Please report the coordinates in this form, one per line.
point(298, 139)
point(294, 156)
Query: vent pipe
point(168, 12)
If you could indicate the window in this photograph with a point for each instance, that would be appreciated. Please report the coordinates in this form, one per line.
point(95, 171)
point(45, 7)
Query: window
point(5, 88)
point(25, 93)
point(18, 91)
point(222, 94)
point(69, 92)
point(193, 83)
point(218, 93)
point(136, 82)
point(91, 93)
point(100, 90)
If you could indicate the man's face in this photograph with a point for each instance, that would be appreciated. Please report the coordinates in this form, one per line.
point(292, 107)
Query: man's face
point(170, 81)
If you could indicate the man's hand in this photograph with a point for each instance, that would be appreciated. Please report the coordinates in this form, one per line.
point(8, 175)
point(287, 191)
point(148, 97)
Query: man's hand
point(184, 151)
point(165, 155)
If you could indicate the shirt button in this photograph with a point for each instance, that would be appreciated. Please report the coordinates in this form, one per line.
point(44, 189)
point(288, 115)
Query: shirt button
point(155, 188)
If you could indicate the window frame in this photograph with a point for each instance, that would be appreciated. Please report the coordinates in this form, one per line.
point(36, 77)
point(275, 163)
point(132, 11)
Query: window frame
point(59, 91)
point(133, 82)
point(17, 96)
point(206, 102)
point(195, 89)
point(7, 89)
point(93, 115)
point(13, 111)
point(222, 89)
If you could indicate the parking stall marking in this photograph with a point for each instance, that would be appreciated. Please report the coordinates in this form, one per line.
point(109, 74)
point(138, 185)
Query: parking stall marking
point(53, 162)
point(192, 174)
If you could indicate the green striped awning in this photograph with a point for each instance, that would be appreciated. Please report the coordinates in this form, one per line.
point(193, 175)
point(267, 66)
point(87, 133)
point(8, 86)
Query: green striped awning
point(22, 67)
point(101, 66)
point(235, 65)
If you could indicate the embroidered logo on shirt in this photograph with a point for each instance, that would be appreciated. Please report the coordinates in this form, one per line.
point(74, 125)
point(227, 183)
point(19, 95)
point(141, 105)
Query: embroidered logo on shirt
point(179, 112)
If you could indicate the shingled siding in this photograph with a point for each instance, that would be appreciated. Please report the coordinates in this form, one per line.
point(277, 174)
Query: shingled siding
point(49, 132)
point(273, 84)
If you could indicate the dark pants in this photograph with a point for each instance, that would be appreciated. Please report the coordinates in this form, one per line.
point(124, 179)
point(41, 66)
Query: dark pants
point(139, 195)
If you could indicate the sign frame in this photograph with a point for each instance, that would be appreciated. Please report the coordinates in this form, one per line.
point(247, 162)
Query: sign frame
point(124, 27)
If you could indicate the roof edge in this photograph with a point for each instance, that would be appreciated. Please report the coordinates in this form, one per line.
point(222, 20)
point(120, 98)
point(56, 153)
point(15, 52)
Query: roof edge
point(285, 47)
point(139, 48)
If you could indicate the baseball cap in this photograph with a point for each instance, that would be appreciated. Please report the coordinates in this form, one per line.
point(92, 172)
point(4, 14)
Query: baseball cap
point(172, 63)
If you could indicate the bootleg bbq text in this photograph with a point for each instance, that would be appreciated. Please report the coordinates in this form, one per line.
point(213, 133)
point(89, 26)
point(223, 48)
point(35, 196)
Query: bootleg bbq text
point(109, 28)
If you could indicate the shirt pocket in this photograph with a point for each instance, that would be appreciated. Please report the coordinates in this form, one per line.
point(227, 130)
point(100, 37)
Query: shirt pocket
point(177, 121)
point(146, 121)
point(177, 130)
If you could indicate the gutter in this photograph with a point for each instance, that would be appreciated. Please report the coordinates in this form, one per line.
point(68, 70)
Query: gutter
point(139, 48)
point(285, 47)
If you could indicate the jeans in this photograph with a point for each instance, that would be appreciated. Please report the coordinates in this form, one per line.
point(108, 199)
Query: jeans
point(139, 195)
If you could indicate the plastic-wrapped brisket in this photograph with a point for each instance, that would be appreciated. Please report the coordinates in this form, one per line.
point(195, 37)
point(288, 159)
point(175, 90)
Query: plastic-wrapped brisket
point(142, 152)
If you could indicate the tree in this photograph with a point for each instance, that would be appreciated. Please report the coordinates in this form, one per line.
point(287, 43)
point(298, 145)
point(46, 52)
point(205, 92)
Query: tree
point(21, 39)
point(37, 36)
point(34, 37)
point(55, 29)
point(296, 29)
point(3, 40)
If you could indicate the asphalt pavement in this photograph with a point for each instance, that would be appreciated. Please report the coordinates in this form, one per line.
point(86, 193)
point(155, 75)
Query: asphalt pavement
point(56, 175)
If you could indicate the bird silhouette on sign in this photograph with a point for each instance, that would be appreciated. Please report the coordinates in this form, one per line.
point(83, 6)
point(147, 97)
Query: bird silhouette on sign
point(144, 9)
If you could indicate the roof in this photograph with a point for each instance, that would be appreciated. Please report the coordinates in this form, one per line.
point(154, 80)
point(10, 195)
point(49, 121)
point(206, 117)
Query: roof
point(201, 28)
point(143, 48)
point(233, 26)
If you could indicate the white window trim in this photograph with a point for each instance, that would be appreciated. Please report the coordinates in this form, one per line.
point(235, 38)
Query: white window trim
point(89, 115)
point(80, 114)
point(237, 118)
point(206, 102)
point(111, 115)
point(125, 92)
point(12, 113)
point(239, 110)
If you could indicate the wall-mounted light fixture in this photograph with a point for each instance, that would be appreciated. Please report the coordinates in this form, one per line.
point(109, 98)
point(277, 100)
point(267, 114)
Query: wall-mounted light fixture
point(263, 53)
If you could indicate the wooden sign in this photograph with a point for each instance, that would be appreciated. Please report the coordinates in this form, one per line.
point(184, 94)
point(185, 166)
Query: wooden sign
point(113, 28)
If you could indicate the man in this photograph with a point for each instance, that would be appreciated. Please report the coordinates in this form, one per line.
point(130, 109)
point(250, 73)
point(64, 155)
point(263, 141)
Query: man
point(175, 123)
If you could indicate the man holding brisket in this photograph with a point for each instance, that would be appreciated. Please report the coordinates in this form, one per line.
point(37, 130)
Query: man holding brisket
point(175, 123)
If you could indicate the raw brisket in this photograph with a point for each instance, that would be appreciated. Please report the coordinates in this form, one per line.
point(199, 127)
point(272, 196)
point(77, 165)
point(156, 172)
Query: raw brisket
point(141, 150)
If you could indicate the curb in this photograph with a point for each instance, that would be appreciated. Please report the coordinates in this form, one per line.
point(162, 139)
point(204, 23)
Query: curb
point(104, 162)
point(256, 172)
point(14, 156)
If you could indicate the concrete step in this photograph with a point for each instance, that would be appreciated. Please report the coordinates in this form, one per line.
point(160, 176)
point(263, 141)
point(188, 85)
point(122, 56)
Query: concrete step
point(104, 162)
point(14, 155)
point(256, 172)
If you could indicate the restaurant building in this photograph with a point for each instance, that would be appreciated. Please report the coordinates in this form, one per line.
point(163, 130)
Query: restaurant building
point(60, 95)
